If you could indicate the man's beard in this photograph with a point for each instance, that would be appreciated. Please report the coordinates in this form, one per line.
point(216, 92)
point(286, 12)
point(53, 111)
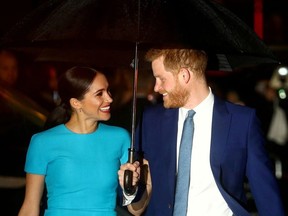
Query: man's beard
point(176, 98)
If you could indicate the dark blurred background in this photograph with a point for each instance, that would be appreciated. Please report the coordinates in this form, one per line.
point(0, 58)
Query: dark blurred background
point(28, 104)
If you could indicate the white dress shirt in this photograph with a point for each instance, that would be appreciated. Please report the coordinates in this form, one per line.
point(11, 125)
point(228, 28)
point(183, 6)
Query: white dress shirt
point(205, 198)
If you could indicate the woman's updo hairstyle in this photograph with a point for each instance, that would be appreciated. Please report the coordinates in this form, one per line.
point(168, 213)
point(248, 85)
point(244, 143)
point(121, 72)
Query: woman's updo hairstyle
point(74, 83)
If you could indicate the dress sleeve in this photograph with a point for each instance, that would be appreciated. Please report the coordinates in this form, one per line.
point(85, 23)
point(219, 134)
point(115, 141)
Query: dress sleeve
point(36, 161)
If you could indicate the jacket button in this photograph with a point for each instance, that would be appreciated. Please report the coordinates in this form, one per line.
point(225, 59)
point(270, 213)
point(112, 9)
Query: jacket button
point(169, 206)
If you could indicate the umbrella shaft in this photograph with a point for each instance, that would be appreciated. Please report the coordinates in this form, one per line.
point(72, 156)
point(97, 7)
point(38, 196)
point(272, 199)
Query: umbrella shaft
point(134, 106)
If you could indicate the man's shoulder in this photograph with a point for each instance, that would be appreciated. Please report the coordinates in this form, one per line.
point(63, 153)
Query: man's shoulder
point(232, 107)
point(159, 109)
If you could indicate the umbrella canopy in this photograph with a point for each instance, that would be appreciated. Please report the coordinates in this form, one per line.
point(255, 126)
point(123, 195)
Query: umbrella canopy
point(105, 32)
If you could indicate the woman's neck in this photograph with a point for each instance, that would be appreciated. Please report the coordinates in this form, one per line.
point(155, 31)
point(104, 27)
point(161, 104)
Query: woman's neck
point(81, 126)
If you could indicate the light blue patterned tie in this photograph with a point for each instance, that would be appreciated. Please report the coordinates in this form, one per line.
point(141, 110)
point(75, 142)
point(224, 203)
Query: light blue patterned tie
point(183, 177)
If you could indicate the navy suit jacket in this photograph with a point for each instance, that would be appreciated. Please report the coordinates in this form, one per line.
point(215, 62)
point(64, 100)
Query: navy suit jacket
point(237, 153)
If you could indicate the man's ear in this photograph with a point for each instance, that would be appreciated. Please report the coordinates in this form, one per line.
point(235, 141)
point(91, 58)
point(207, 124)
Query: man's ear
point(75, 103)
point(185, 75)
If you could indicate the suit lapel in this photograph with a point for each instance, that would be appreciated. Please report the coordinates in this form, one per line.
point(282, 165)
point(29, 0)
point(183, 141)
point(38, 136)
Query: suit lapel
point(169, 127)
point(220, 132)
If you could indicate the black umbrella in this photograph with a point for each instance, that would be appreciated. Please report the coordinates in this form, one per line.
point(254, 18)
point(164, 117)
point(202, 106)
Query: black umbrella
point(113, 33)
point(104, 32)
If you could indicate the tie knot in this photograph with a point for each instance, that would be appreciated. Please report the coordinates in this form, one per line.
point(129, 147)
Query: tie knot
point(191, 113)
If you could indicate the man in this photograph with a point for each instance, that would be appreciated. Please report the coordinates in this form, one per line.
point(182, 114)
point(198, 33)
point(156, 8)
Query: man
point(228, 146)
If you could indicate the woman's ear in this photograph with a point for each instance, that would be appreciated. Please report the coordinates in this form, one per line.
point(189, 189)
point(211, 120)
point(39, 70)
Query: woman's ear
point(75, 103)
point(185, 75)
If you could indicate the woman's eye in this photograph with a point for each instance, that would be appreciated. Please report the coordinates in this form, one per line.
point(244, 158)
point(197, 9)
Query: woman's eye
point(99, 94)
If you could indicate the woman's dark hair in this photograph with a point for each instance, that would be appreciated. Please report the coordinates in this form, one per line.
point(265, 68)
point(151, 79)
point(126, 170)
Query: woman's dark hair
point(74, 83)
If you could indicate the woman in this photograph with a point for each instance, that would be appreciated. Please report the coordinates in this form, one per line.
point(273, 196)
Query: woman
point(79, 158)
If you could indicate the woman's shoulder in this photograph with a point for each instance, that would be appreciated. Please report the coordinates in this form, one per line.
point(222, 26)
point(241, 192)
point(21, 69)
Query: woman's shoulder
point(113, 129)
point(59, 129)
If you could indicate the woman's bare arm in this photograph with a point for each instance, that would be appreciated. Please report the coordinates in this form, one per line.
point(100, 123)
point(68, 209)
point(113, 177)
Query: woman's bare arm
point(33, 195)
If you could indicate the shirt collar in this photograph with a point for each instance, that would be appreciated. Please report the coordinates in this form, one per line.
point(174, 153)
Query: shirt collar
point(207, 102)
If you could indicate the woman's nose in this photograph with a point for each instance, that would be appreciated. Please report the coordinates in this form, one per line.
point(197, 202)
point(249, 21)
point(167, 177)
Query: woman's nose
point(108, 98)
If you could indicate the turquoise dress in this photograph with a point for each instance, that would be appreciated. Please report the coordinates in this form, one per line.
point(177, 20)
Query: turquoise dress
point(80, 169)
